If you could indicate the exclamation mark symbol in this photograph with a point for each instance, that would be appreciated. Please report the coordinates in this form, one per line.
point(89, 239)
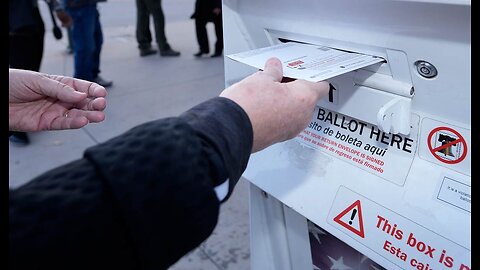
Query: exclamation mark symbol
point(354, 212)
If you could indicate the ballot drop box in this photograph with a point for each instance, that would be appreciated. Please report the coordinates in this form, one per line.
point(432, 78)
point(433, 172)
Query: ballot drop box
point(381, 177)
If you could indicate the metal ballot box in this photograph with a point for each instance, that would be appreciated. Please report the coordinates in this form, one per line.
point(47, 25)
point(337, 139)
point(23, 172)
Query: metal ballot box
point(381, 178)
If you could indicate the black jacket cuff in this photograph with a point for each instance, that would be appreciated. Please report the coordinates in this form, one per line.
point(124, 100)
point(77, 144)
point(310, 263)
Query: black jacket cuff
point(225, 129)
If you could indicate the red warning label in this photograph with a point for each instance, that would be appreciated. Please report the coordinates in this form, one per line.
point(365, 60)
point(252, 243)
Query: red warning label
point(351, 218)
point(447, 145)
point(395, 241)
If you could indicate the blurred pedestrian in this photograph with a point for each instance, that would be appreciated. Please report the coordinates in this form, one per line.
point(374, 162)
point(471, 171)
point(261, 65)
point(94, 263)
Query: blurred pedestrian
point(145, 9)
point(87, 39)
point(208, 11)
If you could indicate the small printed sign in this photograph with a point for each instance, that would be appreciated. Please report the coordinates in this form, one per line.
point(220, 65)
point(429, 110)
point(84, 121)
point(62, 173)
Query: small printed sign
point(447, 145)
point(362, 144)
point(455, 193)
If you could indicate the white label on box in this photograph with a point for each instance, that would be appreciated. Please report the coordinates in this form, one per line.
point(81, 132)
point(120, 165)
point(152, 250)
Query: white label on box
point(398, 239)
point(455, 193)
point(446, 145)
point(361, 144)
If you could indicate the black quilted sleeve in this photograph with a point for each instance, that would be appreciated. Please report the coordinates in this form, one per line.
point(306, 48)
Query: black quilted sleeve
point(141, 200)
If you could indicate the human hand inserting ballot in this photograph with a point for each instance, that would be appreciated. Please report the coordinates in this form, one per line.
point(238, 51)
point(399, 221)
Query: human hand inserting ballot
point(278, 111)
point(40, 101)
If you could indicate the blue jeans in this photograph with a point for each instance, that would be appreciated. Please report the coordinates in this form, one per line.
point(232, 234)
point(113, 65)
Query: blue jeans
point(87, 41)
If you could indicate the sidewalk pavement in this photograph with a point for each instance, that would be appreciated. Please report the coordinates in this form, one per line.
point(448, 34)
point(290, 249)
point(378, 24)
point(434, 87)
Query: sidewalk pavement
point(144, 89)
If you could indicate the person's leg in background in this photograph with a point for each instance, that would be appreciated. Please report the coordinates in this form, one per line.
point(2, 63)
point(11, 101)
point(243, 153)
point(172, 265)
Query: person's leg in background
point(85, 37)
point(202, 36)
point(143, 34)
point(26, 52)
point(83, 41)
point(219, 34)
point(26, 48)
point(155, 8)
point(98, 39)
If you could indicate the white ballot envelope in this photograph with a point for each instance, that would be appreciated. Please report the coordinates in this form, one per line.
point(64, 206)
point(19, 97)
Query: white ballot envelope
point(305, 61)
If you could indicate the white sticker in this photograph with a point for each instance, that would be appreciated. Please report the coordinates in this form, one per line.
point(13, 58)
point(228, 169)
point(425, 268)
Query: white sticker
point(399, 240)
point(445, 145)
point(362, 144)
point(455, 193)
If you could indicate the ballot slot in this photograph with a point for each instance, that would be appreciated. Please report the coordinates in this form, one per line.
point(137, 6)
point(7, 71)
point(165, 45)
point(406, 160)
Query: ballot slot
point(380, 94)
point(277, 36)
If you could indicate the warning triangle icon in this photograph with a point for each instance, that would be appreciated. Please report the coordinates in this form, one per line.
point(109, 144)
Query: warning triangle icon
point(351, 218)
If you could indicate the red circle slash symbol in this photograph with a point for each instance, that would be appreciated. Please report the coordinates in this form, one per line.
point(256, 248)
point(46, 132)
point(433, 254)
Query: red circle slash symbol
point(447, 145)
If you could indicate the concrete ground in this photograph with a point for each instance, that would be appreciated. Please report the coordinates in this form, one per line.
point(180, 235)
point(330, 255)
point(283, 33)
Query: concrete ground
point(144, 89)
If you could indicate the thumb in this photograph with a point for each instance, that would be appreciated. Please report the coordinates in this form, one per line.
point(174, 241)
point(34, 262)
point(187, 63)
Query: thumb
point(60, 91)
point(273, 68)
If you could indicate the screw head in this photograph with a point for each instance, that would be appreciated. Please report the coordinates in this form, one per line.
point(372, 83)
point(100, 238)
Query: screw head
point(426, 69)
